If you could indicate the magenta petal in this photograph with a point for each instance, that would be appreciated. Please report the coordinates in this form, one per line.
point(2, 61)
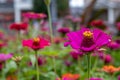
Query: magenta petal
point(75, 38)
point(101, 38)
point(93, 47)
point(27, 43)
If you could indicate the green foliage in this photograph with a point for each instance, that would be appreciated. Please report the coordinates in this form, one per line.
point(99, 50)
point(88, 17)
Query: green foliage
point(39, 6)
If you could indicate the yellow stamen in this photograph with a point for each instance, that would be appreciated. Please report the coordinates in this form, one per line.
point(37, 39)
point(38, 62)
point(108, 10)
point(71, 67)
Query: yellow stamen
point(88, 34)
point(36, 39)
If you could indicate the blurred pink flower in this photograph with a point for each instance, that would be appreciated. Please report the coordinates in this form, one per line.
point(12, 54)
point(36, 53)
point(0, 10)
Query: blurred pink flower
point(4, 57)
point(32, 15)
point(76, 54)
point(64, 30)
point(96, 79)
point(107, 59)
point(113, 45)
point(76, 20)
point(41, 60)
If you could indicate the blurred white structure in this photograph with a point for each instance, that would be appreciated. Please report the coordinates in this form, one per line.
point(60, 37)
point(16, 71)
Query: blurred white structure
point(19, 6)
point(112, 7)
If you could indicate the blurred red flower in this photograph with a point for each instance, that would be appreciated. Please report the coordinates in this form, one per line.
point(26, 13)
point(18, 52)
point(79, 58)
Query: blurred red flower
point(98, 23)
point(19, 26)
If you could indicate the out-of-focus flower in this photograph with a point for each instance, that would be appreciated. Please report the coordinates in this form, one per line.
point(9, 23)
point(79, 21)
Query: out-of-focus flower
point(58, 40)
point(2, 44)
point(99, 24)
point(1, 35)
point(64, 30)
point(110, 69)
point(117, 41)
point(4, 57)
point(107, 58)
point(87, 40)
point(76, 54)
point(96, 79)
point(11, 77)
point(118, 25)
point(1, 66)
point(68, 63)
point(98, 53)
point(29, 63)
point(17, 58)
point(69, 17)
point(32, 15)
point(76, 20)
point(113, 45)
point(36, 43)
point(19, 26)
point(69, 76)
point(119, 77)
point(41, 60)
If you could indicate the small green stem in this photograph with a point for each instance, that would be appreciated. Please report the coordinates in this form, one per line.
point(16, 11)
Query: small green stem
point(88, 63)
point(37, 68)
point(79, 64)
point(95, 63)
point(51, 34)
point(50, 23)
point(18, 71)
point(54, 66)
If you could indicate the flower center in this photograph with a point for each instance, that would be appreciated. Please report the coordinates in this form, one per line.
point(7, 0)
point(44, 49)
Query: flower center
point(88, 34)
point(36, 40)
point(88, 40)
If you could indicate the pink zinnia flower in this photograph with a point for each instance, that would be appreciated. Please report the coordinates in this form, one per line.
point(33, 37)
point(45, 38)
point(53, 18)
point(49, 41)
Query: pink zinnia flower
point(4, 57)
point(87, 40)
point(36, 43)
point(19, 26)
point(32, 15)
point(96, 79)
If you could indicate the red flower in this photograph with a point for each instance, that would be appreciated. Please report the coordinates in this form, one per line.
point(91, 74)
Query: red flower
point(36, 43)
point(2, 44)
point(118, 25)
point(99, 24)
point(19, 26)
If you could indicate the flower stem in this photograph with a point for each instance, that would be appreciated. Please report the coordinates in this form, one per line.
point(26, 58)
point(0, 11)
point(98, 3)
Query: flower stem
point(53, 58)
point(37, 68)
point(95, 63)
point(79, 64)
point(50, 23)
point(88, 63)
point(51, 33)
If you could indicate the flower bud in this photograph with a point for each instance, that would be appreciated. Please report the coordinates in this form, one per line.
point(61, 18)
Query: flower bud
point(17, 58)
point(47, 2)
